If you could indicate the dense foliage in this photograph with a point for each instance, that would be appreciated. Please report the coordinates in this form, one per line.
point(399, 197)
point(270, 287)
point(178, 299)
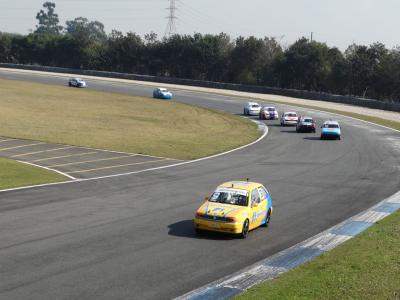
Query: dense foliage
point(371, 71)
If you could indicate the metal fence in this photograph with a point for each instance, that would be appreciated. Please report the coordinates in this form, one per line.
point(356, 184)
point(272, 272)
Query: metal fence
point(371, 103)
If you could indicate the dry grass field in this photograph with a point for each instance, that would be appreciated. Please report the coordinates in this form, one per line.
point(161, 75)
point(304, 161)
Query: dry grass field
point(112, 121)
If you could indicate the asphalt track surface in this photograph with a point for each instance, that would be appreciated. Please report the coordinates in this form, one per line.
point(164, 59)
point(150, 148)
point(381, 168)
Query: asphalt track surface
point(131, 237)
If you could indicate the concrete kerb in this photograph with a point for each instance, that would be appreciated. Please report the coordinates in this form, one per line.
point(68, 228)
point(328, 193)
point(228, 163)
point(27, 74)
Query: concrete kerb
point(271, 267)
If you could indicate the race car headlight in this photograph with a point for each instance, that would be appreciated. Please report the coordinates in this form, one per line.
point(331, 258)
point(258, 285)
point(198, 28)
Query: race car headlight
point(199, 215)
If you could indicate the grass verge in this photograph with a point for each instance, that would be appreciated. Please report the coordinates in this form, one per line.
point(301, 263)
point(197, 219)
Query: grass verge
point(119, 122)
point(15, 174)
point(365, 267)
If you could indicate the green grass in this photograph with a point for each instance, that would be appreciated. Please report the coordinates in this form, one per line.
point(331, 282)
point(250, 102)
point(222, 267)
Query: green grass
point(119, 122)
point(365, 267)
point(15, 174)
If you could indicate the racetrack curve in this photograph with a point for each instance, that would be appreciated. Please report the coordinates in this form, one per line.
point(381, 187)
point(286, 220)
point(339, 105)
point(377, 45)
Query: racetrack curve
point(131, 237)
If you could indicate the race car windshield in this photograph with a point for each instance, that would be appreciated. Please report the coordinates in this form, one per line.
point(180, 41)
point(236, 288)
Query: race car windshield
point(254, 106)
point(271, 109)
point(229, 197)
point(308, 120)
point(291, 115)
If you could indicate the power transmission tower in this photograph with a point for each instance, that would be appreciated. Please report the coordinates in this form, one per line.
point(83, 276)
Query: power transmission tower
point(171, 26)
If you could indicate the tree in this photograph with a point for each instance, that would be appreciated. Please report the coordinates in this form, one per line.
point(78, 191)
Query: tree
point(85, 31)
point(48, 20)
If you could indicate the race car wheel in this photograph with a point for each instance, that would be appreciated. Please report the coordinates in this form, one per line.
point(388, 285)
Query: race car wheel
point(69, 83)
point(245, 229)
point(338, 138)
point(268, 219)
point(198, 231)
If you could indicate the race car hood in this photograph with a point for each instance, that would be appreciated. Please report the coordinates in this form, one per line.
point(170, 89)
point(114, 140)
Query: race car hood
point(221, 210)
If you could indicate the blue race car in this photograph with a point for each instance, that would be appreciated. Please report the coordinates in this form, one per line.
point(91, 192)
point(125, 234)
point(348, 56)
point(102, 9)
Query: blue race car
point(162, 93)
point(330, 130)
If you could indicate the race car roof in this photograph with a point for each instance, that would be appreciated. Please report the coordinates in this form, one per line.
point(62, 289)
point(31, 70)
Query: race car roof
point(244, 185)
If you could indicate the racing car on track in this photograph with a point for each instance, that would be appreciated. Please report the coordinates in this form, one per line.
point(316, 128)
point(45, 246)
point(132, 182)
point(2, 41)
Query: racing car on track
point(306, 124)
point(331, 130)
point(162, 93)
point(76, 82)
point(251, 109)
point(235, 207)
point(289, 118)
point(268, 113)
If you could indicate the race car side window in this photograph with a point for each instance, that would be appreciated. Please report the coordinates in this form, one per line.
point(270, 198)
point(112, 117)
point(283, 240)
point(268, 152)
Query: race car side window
point(255, 196)
point(263, 193)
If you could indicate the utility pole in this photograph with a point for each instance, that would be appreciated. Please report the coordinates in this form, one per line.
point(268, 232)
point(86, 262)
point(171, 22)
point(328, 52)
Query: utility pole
point(312, 36)
point(171, 26)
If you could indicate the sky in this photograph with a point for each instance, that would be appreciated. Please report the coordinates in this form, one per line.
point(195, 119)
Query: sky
point(338, 23)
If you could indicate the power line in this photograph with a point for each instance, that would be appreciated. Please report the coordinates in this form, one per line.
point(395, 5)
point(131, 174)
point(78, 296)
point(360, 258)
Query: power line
point(171, 26)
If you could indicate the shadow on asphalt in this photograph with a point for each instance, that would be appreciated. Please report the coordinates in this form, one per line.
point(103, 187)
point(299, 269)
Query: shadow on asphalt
point(312, 138)
point(289, 131)
point(185, 229)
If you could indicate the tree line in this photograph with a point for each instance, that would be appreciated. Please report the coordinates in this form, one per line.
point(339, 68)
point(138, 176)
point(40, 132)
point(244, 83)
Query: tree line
point(370, 71)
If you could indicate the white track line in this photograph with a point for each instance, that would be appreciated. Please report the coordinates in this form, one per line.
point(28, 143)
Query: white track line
point(65, 156)
point(7, 140)
point(48, 169)
point(119, 166)
point(22, 146)
point(43, 151)
point(93, 160)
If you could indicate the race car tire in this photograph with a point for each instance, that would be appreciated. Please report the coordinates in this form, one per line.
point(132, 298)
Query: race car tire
point(338, 138)
point(268, 218)
point(244, 112)
point(69, 84)
point(245, 229)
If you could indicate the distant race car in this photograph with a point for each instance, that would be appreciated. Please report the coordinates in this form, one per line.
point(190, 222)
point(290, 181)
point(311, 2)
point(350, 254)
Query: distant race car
point(251, 109)
point(289, 119)
point(331, 130)
point(268, 113)
point(162, 93)
point(77, 82)
point(306, 124)
point(235, 207)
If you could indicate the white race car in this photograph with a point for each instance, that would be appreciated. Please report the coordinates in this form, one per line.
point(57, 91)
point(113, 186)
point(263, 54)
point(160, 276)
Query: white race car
point(77, 82)
point(251, 109)
point(289, 118)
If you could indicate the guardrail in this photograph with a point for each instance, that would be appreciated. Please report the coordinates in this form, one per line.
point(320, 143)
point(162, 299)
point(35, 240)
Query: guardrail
point(371, 103)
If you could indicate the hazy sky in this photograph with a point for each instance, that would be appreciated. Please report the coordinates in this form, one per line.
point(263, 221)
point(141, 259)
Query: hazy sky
point(336, 22)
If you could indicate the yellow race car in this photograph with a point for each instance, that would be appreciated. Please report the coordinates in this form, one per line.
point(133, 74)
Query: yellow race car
point(235, 207)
